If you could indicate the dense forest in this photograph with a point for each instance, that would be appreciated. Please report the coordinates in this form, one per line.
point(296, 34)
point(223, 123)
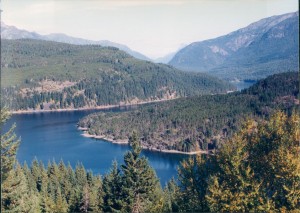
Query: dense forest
point(257, 170)
point(50, 75)
point(197, 123)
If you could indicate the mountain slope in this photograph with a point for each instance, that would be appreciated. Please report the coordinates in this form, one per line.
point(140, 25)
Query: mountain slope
point(260, 49)
point(49, 75)
point(11, 32)
point(197, 123)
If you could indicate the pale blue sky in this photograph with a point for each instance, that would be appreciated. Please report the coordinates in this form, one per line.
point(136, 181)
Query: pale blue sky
point(152, 27)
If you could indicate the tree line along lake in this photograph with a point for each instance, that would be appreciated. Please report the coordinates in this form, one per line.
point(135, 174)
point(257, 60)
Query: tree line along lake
point(54, 136)
point(49, 136)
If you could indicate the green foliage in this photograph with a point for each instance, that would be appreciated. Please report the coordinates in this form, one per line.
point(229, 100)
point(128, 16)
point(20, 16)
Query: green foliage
point(98, 75)
point(139, 179)
point(55, 189)
point(257, 170)
point(234, 187)
point(16, 195)
point(112, 187)
point(192, 175)
point(197, 123)
point(9, 146)
point(172, 197)
point(276, 159)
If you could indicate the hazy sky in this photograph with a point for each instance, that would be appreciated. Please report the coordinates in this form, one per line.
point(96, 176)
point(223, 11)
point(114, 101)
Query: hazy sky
point(152, 27)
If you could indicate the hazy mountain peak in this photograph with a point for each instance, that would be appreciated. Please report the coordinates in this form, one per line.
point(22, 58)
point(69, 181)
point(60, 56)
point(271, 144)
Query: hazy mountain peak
point(244, 36)
point(11, 32)
point(269, 22)
point(259, 49)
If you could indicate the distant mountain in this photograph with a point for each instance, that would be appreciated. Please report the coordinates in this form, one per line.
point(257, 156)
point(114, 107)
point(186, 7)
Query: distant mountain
point(11, 32)
point(165, 59)
point(268, 46)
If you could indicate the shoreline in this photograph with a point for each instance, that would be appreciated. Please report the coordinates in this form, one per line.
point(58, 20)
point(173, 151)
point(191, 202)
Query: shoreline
point(32, 111)
point(110, 140)
point(89, 108)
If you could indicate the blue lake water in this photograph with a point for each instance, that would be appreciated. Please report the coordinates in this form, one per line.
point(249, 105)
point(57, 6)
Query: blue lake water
point(54, 136)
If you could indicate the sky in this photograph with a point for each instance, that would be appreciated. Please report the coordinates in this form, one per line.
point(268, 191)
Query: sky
point(154, 28)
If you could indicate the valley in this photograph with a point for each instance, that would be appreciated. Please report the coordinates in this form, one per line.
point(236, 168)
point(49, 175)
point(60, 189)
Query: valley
point(209, 123)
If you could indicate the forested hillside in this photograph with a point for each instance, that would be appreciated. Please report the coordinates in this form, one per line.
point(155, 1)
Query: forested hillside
point(197, 123)
point(49, 75)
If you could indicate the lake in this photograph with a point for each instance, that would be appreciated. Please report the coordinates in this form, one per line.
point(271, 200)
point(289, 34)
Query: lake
point(54, 136)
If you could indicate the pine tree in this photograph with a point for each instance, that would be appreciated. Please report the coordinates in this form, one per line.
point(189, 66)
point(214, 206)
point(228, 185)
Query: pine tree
point(274, 155)
point(36, 174)
point(192, 175)
point(29, 177)
point(139, 179)
point(259, 168)
point(9, 146)
point(172, 195)
point(96, 194)
point(156, 201)
point(73, 196)
point(16, 194)
point(112, 188)
point(81, 177)
point(61, 205)
point(85, 200)
point(47, 203)
point(233, 187)
point(42, 184)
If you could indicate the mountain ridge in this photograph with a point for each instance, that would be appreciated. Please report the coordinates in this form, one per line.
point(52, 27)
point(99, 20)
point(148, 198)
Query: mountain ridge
point(12, 32)
point(215, 56)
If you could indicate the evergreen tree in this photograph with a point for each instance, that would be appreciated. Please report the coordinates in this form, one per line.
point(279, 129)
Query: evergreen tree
point(36, 174)
point(112, 188)
point(16, 194)
point(96, 194)
point(274, 148)
point(172, 195)
point(9, 146)
point(42, 185)
point(139, 179)
point(72, 190)
point(192, 175)
point(61, 205)
point(259, 168)
point(47, 203)
point(81, 177)
point(156, 202)
point(233, 188)
point(85, 200)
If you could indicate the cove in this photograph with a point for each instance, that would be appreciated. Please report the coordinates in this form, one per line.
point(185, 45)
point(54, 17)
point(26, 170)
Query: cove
point(54, 136)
